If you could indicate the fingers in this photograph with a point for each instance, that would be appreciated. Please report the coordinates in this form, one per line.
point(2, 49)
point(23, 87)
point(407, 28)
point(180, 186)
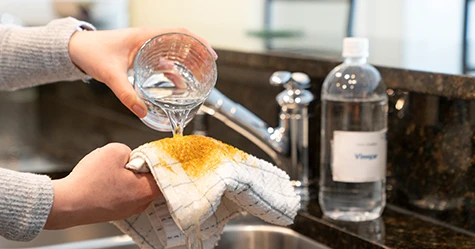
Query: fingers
point(176, 80)
point(115, 154)
point(145, 185)
point(120, 85)
point(165, 65)
point(119, 151)
point(149, 185)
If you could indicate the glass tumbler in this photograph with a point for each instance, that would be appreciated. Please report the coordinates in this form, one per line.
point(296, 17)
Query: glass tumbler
point(173, 74)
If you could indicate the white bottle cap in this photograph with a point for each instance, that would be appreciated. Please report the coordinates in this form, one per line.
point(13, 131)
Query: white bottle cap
point(355, 47)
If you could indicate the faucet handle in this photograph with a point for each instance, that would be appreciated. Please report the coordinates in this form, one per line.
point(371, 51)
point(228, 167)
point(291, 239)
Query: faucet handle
point(280, 78)
point(290, 80)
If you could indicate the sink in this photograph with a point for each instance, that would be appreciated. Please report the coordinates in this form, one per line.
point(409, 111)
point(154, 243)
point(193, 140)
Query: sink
point(265, 237)
point(84, 237)
point(238, 234)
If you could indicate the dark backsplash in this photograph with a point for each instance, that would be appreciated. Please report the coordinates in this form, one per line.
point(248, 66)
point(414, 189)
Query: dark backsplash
point(430, 139)
point(431, 158)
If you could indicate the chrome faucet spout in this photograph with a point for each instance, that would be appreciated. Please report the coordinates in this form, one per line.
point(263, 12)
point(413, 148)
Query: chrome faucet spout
point(246, 123)
point(287, 144)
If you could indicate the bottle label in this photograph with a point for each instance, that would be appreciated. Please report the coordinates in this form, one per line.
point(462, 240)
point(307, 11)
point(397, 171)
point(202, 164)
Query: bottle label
point(359, 156)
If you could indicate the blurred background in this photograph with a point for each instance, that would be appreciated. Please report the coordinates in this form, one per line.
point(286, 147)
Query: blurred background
point(426, 35)
point(50, 128)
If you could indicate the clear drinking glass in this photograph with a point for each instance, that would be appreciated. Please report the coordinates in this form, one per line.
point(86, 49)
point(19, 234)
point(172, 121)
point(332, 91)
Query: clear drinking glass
point(173, 74)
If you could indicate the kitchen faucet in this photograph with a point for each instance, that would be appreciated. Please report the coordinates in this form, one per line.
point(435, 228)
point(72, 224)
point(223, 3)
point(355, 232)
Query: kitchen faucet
point(286, 144)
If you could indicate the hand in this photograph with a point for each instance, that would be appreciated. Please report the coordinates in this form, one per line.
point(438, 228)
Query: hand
point(100, 189)
point(107, 55)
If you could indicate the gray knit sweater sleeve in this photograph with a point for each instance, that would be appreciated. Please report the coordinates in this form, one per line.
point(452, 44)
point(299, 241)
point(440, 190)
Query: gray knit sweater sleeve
point(25, 203)
point(31, 56)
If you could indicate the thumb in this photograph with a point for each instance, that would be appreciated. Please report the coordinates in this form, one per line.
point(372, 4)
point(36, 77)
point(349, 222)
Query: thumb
point(122, 88)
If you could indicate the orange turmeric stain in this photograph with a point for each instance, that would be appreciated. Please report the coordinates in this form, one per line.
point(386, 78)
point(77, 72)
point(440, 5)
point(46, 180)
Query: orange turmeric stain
point(197, 154)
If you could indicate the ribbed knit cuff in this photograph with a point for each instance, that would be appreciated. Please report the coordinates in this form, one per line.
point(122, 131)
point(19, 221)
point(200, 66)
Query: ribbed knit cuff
point(37, 55)
point(25, 202)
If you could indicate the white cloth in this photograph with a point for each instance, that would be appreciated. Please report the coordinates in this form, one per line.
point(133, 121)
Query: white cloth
point(239, 182)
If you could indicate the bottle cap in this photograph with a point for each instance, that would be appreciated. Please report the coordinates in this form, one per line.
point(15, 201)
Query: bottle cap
point(355, 47)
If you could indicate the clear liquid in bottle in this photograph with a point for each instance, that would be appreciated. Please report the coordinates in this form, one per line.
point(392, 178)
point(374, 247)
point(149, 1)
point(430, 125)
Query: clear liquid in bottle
point(353, 139)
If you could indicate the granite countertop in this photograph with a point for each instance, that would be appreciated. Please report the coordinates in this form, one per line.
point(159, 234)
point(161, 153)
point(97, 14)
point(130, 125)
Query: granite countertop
point(66, 130)
point(396, 228)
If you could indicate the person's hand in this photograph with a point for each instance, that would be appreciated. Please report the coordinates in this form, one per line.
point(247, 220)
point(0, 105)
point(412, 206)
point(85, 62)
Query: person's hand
point(100, 189)
point(107, 55)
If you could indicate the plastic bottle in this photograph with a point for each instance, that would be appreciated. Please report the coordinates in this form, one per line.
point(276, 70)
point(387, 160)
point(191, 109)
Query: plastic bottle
point(353, 138)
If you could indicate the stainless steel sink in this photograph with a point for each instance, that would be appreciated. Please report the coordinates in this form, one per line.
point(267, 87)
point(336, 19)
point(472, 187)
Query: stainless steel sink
point(265, 237)
point(237, 235)
point(90, 236)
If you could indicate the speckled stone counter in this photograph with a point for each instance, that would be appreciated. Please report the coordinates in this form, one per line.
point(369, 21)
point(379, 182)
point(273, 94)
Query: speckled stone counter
point(397, 228)
point(431, 153)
